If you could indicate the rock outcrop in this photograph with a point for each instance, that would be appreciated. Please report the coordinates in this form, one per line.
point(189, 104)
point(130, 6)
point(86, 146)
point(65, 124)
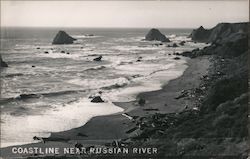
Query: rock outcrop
point(63, 38)
point(220, 31)
point(98, 58)
point(155, 34)
point(182, 43)
point(97, 99)
point(232, 46)
point(228, 40)
point(2, 63)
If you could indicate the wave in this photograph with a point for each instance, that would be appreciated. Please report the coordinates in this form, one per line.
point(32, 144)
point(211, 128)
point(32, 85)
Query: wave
point(95, 68)
point(61, 55)
point(94, 84)
point(115, 86)
point(135, 48)
point(38, 95)
point(13, 75)
point(87, 36)
point(73, 115)
point(172, 36)
point(175, 38)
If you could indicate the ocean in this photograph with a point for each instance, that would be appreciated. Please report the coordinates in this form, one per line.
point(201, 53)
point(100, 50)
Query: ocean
point(57, 85)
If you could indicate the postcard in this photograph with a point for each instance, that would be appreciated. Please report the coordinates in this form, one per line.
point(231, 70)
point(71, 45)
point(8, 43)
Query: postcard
point(124, 79)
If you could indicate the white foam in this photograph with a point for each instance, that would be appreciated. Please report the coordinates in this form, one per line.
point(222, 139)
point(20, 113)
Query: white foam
point(51, 54)
point(144, 84)
point(152, 80)
point(98, 83)
point(171, 36)
point(131, 39)
point(86, 36)
point(134, 48)
point(24, 128)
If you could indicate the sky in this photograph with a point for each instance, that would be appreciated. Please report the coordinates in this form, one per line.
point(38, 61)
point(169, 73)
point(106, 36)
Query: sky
point(133, 14)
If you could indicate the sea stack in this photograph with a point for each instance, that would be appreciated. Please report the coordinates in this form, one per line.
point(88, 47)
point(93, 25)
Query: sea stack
point(2, 63)
point(63, 38)
point(155, 34)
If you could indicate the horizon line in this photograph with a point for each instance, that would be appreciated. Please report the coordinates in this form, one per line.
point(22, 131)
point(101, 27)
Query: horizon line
point(111, 27)
point(115, 27)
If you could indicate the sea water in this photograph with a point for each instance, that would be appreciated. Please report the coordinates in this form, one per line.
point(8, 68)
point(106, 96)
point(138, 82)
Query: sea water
point(59, 85)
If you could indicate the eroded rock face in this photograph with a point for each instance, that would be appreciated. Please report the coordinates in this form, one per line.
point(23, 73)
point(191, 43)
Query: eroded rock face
point(200, 34)
point(219, 32)
point(155, 34)
point(232, 46)
point(228, 40)
point(2, 63)
point(63, 38)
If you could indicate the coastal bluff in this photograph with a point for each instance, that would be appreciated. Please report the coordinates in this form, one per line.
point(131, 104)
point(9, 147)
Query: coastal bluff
point(220, 31)
point(225, 42)
point(63, 38)
point(2, 63)
point(155, 34)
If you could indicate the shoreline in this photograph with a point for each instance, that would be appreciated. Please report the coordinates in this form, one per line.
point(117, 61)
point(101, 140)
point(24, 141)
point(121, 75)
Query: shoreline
point(201, 113)
point(100, 130)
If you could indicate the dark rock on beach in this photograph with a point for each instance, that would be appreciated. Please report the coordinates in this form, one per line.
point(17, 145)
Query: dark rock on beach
point(155, 34)
point(141, 102)
point(2, 63)
point(63, 38)
point(97, 99)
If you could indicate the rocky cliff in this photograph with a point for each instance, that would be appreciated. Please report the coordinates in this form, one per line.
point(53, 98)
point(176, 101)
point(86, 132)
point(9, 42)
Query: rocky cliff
point(219, 32)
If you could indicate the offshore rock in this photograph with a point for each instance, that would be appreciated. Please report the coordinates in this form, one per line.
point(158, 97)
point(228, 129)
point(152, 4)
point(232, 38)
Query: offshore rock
point(63, 38)
point(155, 34)
point(2, 63)
point(97, 99)
point(98, 58)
